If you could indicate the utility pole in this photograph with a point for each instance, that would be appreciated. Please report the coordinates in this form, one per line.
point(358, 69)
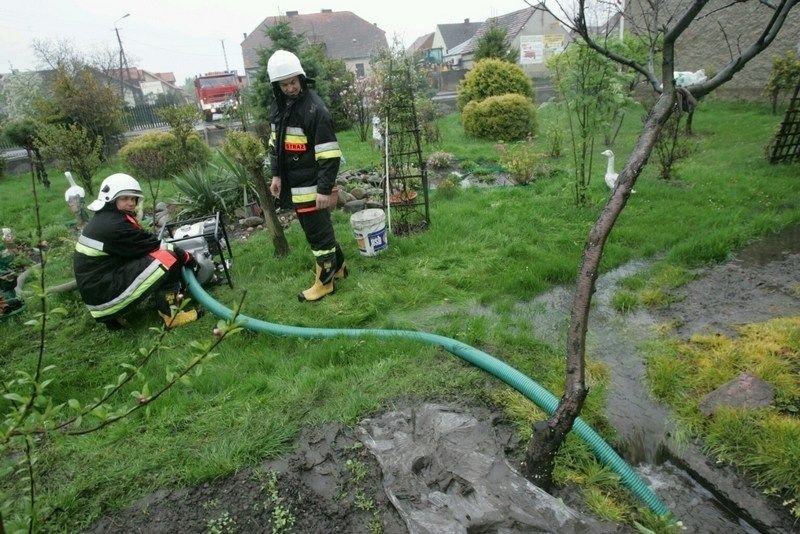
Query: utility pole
point(122, 59)
point(224, 54)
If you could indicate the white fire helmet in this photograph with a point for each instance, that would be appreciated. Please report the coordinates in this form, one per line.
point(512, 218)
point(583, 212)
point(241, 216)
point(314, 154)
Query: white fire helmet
point(115, 186)
point(283, 65)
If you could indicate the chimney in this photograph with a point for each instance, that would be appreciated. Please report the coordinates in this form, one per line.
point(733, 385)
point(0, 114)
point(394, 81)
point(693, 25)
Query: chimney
point(292, 13)
point(244, 35)
point(466, 21)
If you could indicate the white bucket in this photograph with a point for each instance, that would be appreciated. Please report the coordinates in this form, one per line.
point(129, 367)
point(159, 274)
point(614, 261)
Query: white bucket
point(369, 229)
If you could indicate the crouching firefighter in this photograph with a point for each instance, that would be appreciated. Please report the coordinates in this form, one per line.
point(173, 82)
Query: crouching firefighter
point(304, 158)
point(117, 263)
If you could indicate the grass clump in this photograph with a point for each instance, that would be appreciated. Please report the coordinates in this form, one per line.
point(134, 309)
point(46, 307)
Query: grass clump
point(764, 442)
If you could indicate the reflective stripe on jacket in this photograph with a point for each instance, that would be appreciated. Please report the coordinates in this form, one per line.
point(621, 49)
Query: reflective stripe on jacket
point(116, 262)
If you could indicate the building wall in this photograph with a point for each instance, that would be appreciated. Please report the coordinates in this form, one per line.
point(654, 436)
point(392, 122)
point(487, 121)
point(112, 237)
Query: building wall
point(704, 45)
point(540, 38)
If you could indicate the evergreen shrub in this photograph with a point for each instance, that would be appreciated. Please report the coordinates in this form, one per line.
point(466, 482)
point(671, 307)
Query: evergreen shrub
point(493, 77)
point(138, 154)
point(508, 117)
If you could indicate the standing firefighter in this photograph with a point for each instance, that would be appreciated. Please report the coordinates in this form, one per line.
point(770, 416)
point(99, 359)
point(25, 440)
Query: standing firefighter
point(118, 264)
point(304, 159)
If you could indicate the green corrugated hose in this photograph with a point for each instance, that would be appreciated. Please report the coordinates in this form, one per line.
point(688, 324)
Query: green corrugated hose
point(533, 391)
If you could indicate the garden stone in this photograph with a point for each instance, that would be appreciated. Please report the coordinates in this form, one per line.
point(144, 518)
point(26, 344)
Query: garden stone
point(375, 180)
point(744, 391)
point(354, 205)
point(248, 222)
point(358, 193)
point(343, 198)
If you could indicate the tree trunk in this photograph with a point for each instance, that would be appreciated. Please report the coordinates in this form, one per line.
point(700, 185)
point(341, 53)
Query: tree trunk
point(271, 218)
point(548, 436)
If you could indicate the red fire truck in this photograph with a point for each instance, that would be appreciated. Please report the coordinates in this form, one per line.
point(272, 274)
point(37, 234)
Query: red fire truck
point(216, 92)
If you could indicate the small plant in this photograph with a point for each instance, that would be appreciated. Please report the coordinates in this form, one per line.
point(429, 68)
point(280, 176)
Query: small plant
point(282, 518)
point(468, 166)
point(624, 301)
point(440, 160)
point(448, 187)
point(521, 162)
point(224, 524)
point(357, 468)
point(203, 191)
point(555, 142)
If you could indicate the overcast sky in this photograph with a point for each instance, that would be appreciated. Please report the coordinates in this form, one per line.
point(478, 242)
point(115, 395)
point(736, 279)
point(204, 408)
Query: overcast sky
point(186, 37)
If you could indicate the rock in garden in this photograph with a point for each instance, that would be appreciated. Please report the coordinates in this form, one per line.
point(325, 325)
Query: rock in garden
point(354, 206)
point(744, 391)
point(247, 222)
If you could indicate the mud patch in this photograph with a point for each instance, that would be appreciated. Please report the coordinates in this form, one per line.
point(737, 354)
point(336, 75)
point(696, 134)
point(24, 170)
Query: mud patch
point(329, 484)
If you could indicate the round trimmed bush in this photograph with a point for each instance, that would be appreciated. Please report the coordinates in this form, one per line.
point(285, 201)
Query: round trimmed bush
point(493, 77)
point(160, 155)
point(508, 117)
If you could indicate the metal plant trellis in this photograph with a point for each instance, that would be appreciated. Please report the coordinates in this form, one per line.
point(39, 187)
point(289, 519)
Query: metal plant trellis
point(786, 144)
point(405, 192)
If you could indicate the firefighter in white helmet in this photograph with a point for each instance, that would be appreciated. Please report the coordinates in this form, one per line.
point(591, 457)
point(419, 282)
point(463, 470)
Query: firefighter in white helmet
point(117, 263)
point(304, 160)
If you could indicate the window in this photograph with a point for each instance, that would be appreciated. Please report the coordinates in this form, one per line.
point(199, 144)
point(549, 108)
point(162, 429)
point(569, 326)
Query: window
point(360, 70)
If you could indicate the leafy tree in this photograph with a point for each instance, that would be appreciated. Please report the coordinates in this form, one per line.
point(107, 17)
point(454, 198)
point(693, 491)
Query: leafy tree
point(591, 89)
point(492, 44)
point(181, 121)
point(18, 93)
point(493, 77)
point(79, 97)
point(74, 149)
point(659, 25)
point(784, 76)
point(25, 133)
point(247, 151)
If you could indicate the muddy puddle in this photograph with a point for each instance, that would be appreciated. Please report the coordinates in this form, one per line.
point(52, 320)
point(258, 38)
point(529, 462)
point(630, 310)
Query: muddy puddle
point(761, 282)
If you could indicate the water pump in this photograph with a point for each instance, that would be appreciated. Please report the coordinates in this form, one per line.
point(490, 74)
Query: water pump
point(204, 238)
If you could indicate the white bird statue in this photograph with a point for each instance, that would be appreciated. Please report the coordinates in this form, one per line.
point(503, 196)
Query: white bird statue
point(74, 196)
point(611, 175)
point(74, 189)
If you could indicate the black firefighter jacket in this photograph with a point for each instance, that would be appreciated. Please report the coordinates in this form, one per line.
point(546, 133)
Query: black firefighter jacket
point(303, 149)
point(117, 263)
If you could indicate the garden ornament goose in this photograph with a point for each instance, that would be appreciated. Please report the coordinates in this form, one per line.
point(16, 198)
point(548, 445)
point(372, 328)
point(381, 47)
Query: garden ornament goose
point(611, 175)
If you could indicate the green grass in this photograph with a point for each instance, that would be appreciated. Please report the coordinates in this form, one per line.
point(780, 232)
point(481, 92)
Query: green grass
point(485, 250)
point(764, 442)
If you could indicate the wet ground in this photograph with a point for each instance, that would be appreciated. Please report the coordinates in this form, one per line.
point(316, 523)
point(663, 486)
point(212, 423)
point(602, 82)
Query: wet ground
point(761, 282)
point(338, 479)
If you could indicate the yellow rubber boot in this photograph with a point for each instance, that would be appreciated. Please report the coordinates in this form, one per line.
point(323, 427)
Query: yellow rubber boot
point(316, 291)
point(181, 318)
point(341, 273)
point(167, 302)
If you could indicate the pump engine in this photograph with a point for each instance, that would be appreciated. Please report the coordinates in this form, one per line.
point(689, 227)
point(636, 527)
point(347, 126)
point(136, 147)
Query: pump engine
point(204, 238)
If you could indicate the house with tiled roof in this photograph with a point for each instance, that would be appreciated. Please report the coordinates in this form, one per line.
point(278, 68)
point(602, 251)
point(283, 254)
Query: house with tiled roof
point(448, 36)
point(534, 31)
point(150, 85)
point(342, 34)
point(421, 44)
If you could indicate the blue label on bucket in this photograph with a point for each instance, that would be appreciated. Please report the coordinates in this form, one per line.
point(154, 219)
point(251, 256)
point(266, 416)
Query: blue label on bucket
point(377, 240)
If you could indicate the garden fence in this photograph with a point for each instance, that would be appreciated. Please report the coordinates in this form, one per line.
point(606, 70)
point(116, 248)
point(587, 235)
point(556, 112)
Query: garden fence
point(144, 117)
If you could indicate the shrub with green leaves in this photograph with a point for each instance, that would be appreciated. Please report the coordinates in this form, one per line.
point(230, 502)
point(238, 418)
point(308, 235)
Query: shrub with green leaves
point(493, 77)
point(440, 160)
point(204, 191)
point(138, 155)
point(507, 117)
